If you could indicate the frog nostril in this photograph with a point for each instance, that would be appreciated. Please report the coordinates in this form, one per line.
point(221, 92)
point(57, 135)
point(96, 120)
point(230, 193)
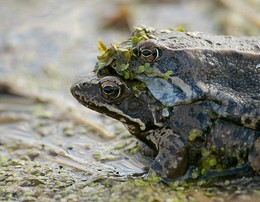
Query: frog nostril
point(84, 85)
point(81, 86)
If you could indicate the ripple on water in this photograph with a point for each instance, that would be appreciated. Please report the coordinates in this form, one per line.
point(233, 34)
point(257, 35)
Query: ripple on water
point(22, 123)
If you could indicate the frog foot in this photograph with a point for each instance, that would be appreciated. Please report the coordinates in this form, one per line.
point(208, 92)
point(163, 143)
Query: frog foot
point(171, 161)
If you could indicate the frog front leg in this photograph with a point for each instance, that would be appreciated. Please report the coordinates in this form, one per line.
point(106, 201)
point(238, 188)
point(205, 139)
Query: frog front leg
point(171, 161)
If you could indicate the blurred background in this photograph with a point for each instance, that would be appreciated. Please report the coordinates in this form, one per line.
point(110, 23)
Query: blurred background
point(57, 40)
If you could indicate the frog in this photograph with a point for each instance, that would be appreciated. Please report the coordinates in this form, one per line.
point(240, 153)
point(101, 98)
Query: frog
point(191, 67)
point(183, 141)
point(199, 94)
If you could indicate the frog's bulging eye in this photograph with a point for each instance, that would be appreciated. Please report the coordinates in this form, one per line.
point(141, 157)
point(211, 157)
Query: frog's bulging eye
point(149, 55)
point(110, 90)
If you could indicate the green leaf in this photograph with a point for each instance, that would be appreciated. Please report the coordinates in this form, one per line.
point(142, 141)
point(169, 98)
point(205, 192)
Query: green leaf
point(212, 162)
point(168, 74)
point(123, 67)
point(135, 40)
point(205, 153)
point(101, 65)
point(203, 171)
point(128, 54)
point(194, 133)
point(180, 29)
point(139, 86)
point(141, 69)
point(101, 46)
point(126, 75)
point(148, 68)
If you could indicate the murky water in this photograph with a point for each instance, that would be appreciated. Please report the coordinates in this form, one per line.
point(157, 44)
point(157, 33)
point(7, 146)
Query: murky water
point(57, 138)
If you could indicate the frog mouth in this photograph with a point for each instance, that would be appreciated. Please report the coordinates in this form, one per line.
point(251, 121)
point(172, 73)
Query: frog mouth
point(135, 125)
point(107, 109)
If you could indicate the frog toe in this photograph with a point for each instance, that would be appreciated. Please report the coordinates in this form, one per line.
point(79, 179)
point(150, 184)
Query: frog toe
point(170, 168)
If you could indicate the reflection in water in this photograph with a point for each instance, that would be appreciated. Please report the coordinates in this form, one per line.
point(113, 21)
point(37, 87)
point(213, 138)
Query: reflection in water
point(31, 124)
point(135, 165)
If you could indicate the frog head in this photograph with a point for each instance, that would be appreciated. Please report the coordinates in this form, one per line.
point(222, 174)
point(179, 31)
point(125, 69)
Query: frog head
point(187, 67)
point(136, 109)
point(148, 57)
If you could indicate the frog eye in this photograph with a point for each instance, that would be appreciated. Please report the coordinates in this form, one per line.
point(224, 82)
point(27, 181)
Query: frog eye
point(110, 90)
point(149, 55)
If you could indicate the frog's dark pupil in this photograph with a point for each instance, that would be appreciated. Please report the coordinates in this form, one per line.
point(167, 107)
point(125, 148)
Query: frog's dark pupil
point(149, 55)
point(110, 89)
point(146, 52)
point(111, 92)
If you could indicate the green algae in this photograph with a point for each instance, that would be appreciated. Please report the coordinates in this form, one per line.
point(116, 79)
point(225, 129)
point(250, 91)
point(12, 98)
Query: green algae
point(139, 86)
point(180, 29)
point(122, 52)
point(146, 69)
point(195, 133)
point(38, 177)
point(168, 74)
point(119, 56)
point(38, 180)
point(24, 176)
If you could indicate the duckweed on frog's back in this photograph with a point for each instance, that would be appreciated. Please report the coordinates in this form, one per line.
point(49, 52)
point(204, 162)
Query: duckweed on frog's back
point(191, 66)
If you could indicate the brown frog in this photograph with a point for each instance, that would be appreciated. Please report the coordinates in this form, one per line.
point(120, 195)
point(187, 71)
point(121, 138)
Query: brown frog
point(193, 98)
point(185, 140)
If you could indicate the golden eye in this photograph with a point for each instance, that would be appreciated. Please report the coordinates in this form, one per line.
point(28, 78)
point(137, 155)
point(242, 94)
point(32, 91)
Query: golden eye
point(149, 55)
point(110, 90)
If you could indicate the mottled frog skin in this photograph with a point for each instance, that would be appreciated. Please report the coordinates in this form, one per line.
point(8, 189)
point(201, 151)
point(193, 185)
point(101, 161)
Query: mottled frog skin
point(192, 98)
point(179, 137)
point(222, 69)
